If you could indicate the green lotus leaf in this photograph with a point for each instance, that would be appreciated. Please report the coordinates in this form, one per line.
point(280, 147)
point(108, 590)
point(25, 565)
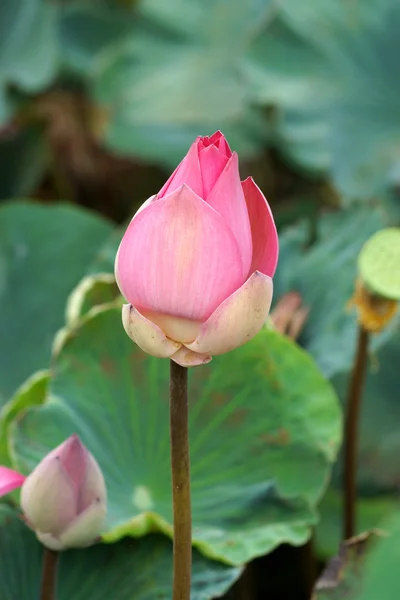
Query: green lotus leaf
point(32, 392)
point(28, 47)
point(379, 262)
point(44, 252)
point(264, 427)
point(129, 570)
point(93, 290)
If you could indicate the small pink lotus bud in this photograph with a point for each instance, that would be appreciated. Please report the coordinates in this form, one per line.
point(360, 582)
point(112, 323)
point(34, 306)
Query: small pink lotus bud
point(64, 498)
point(197, 260)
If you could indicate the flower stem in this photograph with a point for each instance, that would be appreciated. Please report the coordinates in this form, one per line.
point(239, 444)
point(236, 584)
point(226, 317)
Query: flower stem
point(49, 575)
point(180, 464)
point(351, 433)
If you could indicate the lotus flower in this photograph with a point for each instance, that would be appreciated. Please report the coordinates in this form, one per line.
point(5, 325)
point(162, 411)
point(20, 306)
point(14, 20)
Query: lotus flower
point(64, 498)
point(197, 260)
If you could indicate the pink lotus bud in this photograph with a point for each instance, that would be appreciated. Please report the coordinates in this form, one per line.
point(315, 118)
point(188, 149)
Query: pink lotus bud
point(197, 260)
point(64, 498)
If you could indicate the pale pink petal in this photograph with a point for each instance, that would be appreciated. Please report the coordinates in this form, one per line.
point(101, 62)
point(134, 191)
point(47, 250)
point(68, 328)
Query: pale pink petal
point(94, 487)
point(146, 334)
point(187, 172)
point(212, 163)
point(9, 480)
point(82, 532)
point(178, 257)
point(48, 498)
point(85, 528)
point(238, 319)
point(228, 199)
point(263, 230)
point(187, 358)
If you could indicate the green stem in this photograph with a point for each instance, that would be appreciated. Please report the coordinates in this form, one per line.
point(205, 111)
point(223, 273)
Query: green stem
point(180, 464)
point(49, 575)
point(351, 434)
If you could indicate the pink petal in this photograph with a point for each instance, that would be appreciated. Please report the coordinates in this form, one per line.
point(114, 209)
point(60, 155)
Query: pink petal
point(263, 230)
point(218, 139)
point(73, 457)
point(9, 480)
point(212, 163)
point(187, 358)
point(178, 257)
point(227, 198)
point(146, 334)
point(187, 172)
point(238, 319)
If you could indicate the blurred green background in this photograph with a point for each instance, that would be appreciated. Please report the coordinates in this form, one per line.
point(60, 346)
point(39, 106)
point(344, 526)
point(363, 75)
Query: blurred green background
point(100, 99)
point(97, 96)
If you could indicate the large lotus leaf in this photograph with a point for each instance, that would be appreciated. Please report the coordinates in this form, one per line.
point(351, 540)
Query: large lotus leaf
point(44, 252)
point(28, 44)
point(129, 570)
point(264, 428)
point(358, 129)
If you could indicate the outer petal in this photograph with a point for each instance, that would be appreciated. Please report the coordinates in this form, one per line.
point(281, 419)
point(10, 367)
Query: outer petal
point(238, 319)
point(179, 257)
point(148, 336)
point(187, 172)
point(82, 532)
point(263, 230)
point(188, 358)
point(86, 527)
point(212, 163)
point(94, 486)
point(228, 199)
point(48, 498)
point(9, 480)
